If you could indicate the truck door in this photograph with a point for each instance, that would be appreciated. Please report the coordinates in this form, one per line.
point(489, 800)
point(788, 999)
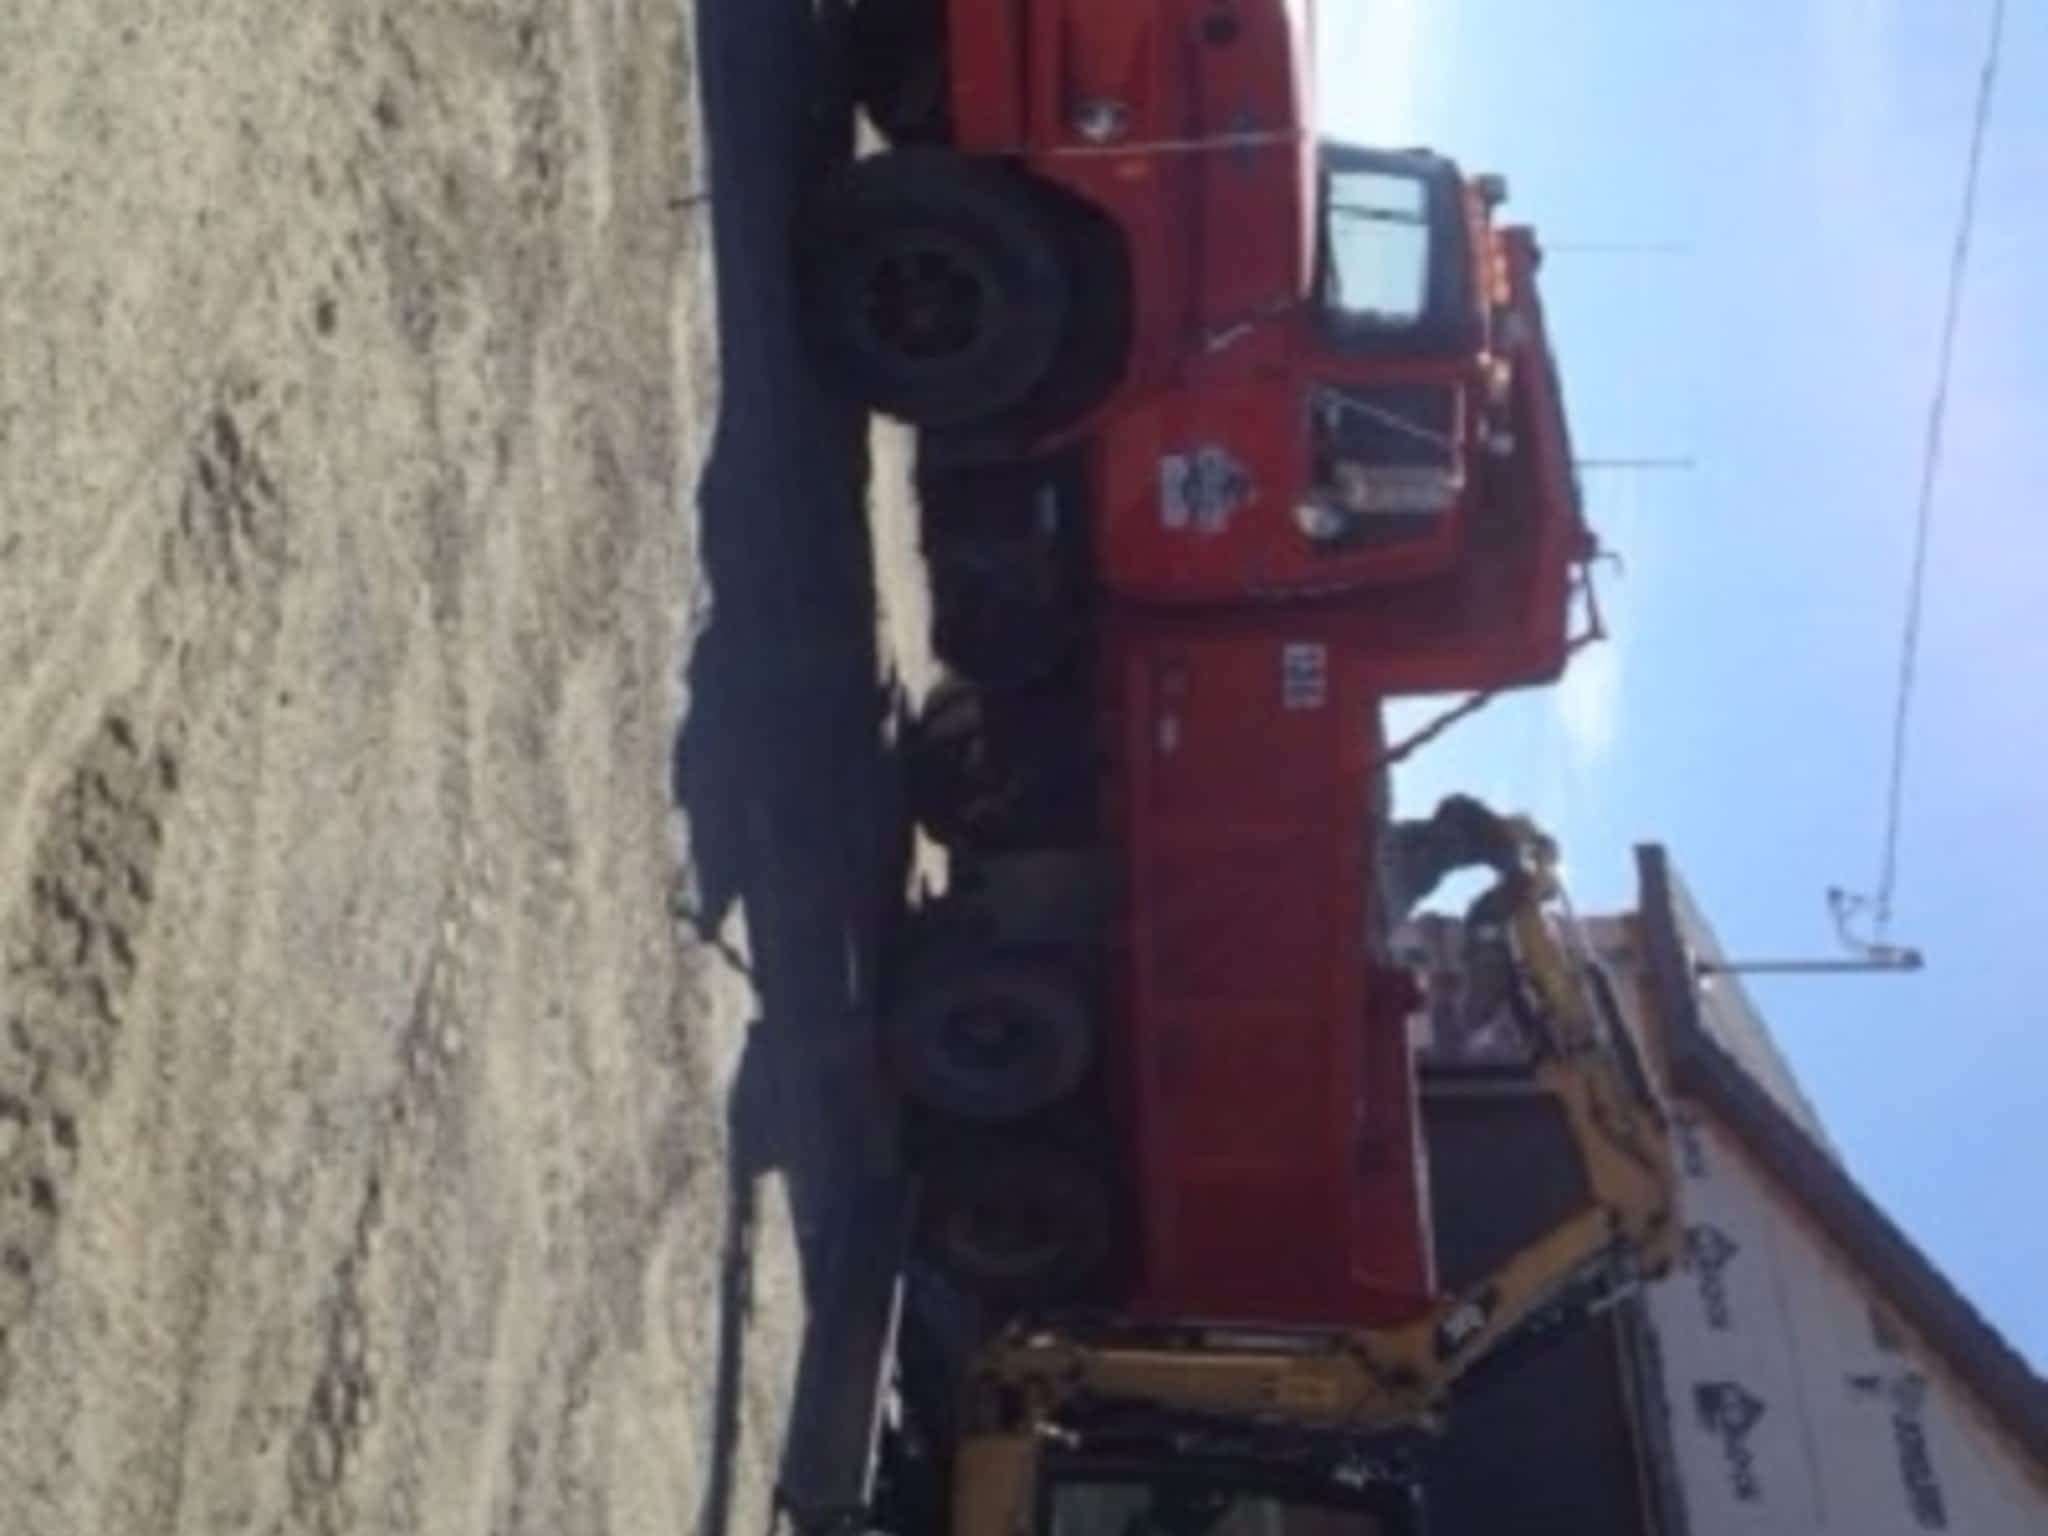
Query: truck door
point(1341, 445)
point(1384, 400)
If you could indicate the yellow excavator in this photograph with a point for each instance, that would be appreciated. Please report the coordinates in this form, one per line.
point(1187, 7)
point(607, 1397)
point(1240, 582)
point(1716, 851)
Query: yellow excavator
point(1102, 1429)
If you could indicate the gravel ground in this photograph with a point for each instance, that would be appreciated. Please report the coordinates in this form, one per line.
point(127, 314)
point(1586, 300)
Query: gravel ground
point(443, 764)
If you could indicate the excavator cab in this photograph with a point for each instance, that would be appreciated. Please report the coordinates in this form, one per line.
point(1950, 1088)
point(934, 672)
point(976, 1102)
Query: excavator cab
point(1159, 1490)
point(1103, 1467)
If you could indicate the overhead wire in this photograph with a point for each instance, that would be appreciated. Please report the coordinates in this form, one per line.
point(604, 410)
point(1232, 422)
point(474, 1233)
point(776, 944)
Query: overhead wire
point(1930, 473)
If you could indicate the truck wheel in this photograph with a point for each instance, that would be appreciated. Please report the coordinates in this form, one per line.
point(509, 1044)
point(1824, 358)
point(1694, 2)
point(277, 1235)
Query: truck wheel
point(898, 50)
point(1020, 1230)
point(934, 289)
point(994, 1044)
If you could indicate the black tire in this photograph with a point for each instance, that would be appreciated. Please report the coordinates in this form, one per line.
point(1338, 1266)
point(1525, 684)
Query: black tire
point(935, 291)
point(1092, 362)
point(991, 1045)
point(1023, 1229)
point(898, 53)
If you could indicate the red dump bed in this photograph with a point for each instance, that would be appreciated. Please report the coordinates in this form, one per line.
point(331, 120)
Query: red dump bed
point(1271, 1096)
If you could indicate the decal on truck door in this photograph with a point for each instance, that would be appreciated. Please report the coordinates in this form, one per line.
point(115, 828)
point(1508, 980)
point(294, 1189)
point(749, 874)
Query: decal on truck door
point(1304, 675)
point(1202, 490)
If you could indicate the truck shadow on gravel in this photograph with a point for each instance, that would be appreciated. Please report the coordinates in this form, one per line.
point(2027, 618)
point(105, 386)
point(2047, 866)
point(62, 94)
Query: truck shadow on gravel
point(781, 765)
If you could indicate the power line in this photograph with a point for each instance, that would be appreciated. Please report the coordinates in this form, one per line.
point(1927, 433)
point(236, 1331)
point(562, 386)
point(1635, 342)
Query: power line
point(1930, 469)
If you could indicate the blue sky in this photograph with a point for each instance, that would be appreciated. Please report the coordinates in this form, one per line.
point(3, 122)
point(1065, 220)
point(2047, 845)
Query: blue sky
point(1810, 156)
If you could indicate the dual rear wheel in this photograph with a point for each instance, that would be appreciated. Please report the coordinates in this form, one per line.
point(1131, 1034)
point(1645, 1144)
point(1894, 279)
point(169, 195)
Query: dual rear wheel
point(997, 1052)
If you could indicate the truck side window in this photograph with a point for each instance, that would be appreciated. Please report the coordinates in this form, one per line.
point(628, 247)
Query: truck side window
point(1413, 424)
point(1376, 229)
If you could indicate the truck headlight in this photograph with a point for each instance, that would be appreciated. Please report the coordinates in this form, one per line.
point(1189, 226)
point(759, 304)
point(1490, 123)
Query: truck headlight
point(1321, 522)
point(1396, 489)
point(1365, 495)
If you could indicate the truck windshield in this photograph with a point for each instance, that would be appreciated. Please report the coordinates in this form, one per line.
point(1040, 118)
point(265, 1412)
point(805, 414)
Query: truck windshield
point(1395, 261)
point(1100, 1507)
point(1377, 241)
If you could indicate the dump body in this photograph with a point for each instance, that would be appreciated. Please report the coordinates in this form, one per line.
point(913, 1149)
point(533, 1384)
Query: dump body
point(1272, 1099)
point(1336, 1404)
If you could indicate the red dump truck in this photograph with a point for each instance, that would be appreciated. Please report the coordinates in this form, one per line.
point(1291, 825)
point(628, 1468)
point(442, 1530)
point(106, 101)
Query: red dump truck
point(1233, 431)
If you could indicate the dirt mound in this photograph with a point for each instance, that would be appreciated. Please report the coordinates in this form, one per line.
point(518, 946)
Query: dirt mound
point(365, 1145)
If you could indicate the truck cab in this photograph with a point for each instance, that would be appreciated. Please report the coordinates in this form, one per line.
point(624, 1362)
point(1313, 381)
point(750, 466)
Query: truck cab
point(1336, 444)
point(1284, 362)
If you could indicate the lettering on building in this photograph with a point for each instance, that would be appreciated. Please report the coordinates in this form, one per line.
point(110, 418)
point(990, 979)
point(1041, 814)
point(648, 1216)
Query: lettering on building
point(1730, 1413)
point(1692, 1143)
point(1708, 1252)
point(1904, 1393)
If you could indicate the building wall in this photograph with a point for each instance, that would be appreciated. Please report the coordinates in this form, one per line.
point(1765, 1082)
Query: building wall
point(1793, 1405)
